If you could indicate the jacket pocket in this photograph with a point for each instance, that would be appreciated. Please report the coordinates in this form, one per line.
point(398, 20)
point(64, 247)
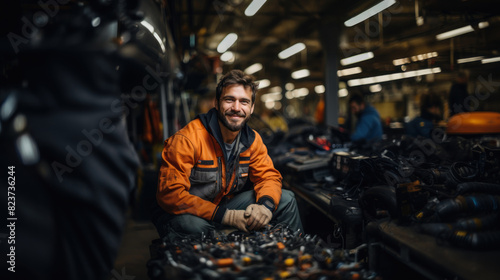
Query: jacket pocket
point(204, 182)
point(243, 181)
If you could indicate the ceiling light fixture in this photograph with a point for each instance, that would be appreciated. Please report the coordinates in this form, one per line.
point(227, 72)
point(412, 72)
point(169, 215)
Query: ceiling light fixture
point(286, 53)
point(469, 59)
point(227, 42)
point(300, 92)
point(299, 74)
point(460, 31)
point(263, 83)
point(393, 77)
point(289, 86)
point(271, 96)
point(375, 88)
point(415, 58)
point(490, 60)
point(369, 12)
point(319, 89)
point(253, 68)
point(296, 93)
point(227, 57)
point(254, 7)
point(343, 92)
point(356, 58)
point(349, 71)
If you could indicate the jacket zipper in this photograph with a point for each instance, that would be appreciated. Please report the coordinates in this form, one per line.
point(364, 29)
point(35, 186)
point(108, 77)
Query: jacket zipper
point(219, 179)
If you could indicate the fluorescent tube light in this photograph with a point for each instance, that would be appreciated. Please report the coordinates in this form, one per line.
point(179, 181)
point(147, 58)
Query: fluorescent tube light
point(349, 71)
point(253, 68)
point(271, 96)
point(369, 12)
point(369, 80)
point(343, 92)
point(319, 89)
point(400, 61)
point(300, 92)
point(483, 24)
point(490, 60)
point(286, 53)
point(263, 83)
point(299, 74)
point(356, 58)
point(227, 57)
point(227, 42)
point(460, 31)
point(275, 89)
point(375, 88)
point(394, 76)
point(254, 7)
point(270, 104)
point(469, 59)
point(296, 93)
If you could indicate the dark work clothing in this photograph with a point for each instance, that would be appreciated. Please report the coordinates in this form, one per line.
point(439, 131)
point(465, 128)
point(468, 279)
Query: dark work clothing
point(368, 126)
point(457, 99)
point(419, 127)
point(422, 125)
point(71, 206)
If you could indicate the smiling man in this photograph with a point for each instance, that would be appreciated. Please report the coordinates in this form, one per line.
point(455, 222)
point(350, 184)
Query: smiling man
point(216, 170)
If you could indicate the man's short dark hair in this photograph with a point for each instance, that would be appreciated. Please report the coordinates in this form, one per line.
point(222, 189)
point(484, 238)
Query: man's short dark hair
point(357, 97)
point(236, 77)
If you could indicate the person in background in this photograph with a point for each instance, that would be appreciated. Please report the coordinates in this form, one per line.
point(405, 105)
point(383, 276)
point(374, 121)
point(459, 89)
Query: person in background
point(431, 107)
point(458, 94)
point(368, 126)
point(216, 170)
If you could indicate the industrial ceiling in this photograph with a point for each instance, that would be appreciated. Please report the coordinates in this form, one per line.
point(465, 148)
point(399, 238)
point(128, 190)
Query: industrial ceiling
point(404, 30)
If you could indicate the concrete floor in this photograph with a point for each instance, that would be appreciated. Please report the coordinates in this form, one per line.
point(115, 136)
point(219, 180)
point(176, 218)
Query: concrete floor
point(134, 253)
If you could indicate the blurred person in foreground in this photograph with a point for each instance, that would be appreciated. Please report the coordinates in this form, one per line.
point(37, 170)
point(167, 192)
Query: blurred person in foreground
point(368, 126)
point(216, 170)
point(71, 162)
point(430, 113)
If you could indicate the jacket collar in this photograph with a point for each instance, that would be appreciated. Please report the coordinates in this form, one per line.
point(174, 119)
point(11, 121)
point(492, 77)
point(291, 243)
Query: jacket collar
point(211, 123)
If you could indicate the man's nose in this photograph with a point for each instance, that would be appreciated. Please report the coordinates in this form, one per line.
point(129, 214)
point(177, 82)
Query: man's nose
point(236, 105)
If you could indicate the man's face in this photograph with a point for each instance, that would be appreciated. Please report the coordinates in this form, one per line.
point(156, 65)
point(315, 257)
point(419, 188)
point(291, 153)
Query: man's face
point(235, 107)
point(357, 108)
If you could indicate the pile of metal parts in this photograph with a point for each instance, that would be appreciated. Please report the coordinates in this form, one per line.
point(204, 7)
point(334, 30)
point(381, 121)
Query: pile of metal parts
point(273, 253)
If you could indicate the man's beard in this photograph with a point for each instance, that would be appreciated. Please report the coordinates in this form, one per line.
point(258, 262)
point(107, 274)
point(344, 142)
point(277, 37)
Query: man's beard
point(227, 124)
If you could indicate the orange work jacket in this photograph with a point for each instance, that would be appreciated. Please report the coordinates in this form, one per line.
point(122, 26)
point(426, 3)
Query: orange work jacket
point(195, 175)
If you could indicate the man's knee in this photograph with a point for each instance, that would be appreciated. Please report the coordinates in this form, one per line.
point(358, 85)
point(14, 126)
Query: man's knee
point(189, 225)
point(287, 197)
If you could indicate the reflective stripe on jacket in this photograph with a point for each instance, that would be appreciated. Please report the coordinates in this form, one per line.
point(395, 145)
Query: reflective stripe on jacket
point(193, 176)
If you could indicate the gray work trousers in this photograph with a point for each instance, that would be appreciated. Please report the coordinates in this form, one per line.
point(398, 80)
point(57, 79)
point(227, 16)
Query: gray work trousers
point(190, 225)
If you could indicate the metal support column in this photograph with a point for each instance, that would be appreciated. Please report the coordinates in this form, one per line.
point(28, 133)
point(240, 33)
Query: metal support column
point(330, 32)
